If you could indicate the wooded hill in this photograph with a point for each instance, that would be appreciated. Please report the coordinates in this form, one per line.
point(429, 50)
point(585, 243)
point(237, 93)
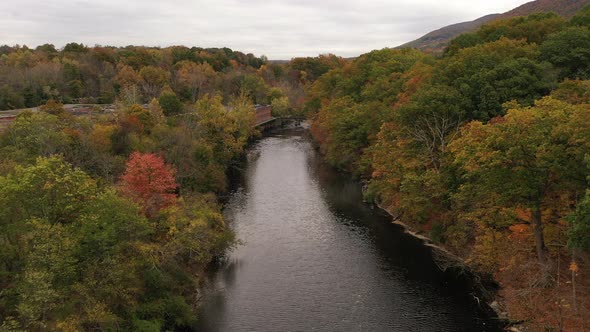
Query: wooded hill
point(437, 40)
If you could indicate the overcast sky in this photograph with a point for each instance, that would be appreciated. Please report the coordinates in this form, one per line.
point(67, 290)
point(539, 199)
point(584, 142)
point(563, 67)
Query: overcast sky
point(279, 29)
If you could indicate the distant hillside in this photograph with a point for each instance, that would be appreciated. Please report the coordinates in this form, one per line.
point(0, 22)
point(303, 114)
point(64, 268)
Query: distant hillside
point(437, 40)
point(565, 8)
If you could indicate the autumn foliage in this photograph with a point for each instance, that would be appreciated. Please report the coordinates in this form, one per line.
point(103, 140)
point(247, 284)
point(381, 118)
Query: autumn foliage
point(149, 181)
point(92, 234)
point(484, 149)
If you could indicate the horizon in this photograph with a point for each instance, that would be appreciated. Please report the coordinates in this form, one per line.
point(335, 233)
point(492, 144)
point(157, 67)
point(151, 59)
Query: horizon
point(282, 30)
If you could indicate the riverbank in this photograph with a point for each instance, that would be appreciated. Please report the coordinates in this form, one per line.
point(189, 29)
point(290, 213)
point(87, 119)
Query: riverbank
point(498, 242)
point(484, 287)
point(503, 296)
point(314, 256)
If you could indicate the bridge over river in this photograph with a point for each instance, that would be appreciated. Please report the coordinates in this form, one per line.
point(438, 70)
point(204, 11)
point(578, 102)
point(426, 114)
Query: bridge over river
point(266, 122)
point(278, 122)
point(264, 119)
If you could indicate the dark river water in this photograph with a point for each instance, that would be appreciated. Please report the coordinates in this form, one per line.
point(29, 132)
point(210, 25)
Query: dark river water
point(315, 258)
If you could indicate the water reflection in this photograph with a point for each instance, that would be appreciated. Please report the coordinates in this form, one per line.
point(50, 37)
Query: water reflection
point(315, 258)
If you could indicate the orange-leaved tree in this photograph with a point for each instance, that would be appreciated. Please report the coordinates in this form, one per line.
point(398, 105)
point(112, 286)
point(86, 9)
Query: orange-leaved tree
point(532, 158)
point(150, 182)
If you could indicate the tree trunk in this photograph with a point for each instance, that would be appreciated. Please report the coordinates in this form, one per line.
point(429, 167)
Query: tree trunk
point(542, 254)
point(539, 237)
point(574, 299)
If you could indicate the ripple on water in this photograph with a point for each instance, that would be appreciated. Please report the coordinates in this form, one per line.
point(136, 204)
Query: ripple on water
point(315, 258)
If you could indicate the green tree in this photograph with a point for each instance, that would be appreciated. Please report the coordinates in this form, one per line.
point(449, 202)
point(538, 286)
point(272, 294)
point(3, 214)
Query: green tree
point(569, 50)
point(348, 127)
point(582, 18)
point(311, 69)
point(254, 87)
point(491, 74)
point(579, 233)
point(170, 103)
point(9, 99)
point(465, 40)
point(49, 190)
point(75, 48)
point(533, 28)
point(244, 117)
point(35, 134)
point(352, 103)
point(280, 106)
point(37, 204)
point(432, 120)
point(77, 257)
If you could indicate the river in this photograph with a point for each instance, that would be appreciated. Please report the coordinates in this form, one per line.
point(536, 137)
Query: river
point(315, 258)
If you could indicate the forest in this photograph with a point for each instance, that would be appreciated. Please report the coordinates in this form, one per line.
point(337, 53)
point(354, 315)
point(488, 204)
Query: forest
point(108, 221)
point(485, 149)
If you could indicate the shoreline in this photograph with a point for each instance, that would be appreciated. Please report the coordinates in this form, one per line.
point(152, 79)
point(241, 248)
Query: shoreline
point(452, 285)
point(485, 287)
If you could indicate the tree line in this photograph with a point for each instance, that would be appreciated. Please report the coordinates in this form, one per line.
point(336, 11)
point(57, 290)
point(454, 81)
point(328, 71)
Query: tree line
point(109, 220)
point(135, 75)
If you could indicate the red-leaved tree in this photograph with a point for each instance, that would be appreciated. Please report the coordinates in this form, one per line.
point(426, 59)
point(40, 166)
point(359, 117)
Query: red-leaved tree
point(149, 181)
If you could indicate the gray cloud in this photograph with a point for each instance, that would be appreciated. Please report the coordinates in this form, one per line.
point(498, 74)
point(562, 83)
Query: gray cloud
point(280, 29)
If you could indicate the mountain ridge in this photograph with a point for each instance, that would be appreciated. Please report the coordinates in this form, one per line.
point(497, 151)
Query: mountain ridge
point(437, 40)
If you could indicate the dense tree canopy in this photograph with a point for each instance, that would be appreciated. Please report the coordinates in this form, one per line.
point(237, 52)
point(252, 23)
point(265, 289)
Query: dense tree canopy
point(468, 148)
point(533, 29)
point(491, 74)
point(528, 159)
point(351, 102)
point(569, 50)
point(136, 75)
point(94, 233)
